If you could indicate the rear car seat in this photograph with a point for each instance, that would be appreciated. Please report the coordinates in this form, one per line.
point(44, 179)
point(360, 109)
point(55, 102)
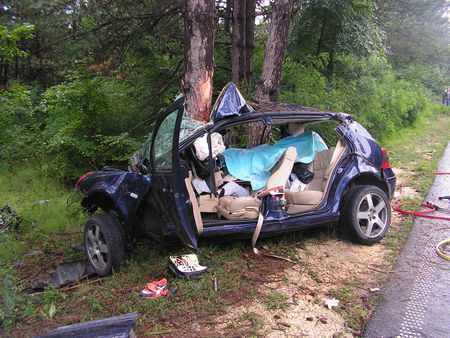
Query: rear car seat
point(323, 166)
point(232, 207)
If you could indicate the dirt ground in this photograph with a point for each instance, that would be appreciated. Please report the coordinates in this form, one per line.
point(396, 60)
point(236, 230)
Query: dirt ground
point(278, 296)
point(325, 270)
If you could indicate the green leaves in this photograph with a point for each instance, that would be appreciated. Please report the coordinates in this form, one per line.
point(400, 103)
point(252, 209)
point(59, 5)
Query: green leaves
point(9, 41)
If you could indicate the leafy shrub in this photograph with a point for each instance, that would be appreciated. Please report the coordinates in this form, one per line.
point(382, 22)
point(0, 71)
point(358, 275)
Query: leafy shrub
point(366, 88)
point(85, 120)
point(19, 122)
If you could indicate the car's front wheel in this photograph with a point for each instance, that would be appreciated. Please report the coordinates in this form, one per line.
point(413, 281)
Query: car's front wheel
point(103, 242)
point(366, 214)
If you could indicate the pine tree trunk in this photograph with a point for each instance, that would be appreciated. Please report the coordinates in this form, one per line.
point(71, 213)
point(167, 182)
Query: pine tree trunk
point(249, 40)
point(268, 87)
point(198, 57)
point(243, 41)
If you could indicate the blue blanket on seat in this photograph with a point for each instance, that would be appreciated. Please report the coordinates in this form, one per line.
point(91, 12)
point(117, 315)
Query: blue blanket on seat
point(254, 164)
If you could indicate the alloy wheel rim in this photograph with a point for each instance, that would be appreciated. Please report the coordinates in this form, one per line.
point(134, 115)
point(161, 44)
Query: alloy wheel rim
point(96, 247)
point(372, 215)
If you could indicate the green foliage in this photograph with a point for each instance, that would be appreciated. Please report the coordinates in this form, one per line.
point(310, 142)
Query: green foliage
point(367, 88)
point(343, 27)
point(20, 122)
point(12, 301)
point(9, 39)
point(85, 123)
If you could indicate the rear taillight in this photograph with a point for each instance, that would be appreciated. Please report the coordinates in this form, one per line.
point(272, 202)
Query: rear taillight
point(385, 164)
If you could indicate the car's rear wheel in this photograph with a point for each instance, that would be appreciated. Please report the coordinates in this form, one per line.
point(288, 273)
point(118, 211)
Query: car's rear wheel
point(104, 243)
point(366, 214)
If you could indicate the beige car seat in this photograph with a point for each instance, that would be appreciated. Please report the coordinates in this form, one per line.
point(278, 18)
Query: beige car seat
point(232, 207)
point(323, 166)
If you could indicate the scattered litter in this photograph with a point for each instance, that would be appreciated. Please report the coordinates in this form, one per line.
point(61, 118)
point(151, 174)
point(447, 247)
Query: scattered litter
point(9, 219)
point(374, 289)
point(155, 289)
point(72, 272)
point(186, 266)
point(330, 302)
point(323, 320)
point(284, 324)
point(215, 284)
point(195, 327)
point(64, 274)
point(41, 202)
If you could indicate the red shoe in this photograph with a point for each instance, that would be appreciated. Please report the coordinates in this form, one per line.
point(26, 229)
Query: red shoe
point(155, 289)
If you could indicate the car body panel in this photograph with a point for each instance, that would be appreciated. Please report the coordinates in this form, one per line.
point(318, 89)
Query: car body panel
point(123, 188)
point(169, 188)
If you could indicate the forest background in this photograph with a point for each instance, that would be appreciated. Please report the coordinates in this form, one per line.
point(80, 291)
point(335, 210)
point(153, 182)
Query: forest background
point(78, 77)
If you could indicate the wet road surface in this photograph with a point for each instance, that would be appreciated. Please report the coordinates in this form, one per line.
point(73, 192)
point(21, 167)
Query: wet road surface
point(416, 300)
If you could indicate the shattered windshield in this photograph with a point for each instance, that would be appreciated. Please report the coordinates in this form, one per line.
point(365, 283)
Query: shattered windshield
point(164, 139)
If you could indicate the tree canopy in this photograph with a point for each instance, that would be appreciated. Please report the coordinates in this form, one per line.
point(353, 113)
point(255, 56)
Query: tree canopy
point(79, 77)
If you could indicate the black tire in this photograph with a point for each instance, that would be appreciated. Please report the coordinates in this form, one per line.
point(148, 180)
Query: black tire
point(366, 214)
point(104, 243)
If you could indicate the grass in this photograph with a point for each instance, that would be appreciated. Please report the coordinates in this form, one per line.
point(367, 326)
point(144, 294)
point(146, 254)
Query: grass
point(277, 301)
point(49, 227)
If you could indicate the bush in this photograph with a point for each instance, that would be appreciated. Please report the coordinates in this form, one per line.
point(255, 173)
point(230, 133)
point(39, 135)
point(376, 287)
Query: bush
point(20, 122)
point(85, 120)
point(366, 88)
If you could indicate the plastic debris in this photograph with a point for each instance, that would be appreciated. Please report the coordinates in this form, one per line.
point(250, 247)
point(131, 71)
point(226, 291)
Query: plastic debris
point(330, 302)
point(186, 266)
point(9, 219)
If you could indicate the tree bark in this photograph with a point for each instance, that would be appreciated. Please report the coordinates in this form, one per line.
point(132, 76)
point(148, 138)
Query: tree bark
point(249, 40)
point(243, 41)
point(198, 57)
point(268, 86)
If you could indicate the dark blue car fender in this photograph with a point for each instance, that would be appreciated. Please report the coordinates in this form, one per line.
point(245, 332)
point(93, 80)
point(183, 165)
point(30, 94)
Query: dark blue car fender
point(113, 188)
point(350, 173)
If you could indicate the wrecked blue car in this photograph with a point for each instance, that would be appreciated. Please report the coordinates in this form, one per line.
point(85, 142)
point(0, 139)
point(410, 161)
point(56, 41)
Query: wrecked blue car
point(195, 181)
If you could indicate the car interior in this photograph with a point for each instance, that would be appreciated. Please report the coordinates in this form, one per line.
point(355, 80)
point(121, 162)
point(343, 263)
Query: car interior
point(216, 195)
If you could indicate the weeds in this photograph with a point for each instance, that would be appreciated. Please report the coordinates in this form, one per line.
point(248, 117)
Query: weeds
point(314, 276)
point(277, 301)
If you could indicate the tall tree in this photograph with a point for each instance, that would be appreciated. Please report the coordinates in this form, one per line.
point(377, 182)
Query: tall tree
point(330, 28)
point(268, 86)
point(199, 57)
point(243, 41)
point(416, 31)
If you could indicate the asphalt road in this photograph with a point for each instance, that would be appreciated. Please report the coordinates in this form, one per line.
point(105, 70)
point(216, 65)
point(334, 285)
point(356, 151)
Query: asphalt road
point(416, 300)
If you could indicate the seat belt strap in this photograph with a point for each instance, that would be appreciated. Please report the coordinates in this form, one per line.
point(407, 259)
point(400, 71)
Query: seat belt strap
point(259, 224)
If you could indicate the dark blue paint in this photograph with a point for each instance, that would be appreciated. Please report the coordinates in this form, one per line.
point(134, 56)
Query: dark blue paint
point(119, 186)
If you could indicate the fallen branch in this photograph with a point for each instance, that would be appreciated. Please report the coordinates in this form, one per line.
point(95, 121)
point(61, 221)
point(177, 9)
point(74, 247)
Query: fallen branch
point(82, 284)
point(279, 257)
point(377, 270)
